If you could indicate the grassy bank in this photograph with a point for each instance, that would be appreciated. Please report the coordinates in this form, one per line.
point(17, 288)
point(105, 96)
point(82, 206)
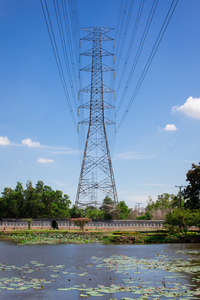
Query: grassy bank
point(94, 236)
point(152, 237)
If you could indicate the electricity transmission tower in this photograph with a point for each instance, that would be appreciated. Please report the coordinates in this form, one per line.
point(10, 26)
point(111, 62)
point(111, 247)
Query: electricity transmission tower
point(96, 176)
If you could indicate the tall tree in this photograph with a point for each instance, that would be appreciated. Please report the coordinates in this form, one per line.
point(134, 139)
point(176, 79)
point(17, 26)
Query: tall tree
point(7, 204)
point(123, 210)
point(192, 191)
point(38, 202)
point(109, 209)
point(19, 199)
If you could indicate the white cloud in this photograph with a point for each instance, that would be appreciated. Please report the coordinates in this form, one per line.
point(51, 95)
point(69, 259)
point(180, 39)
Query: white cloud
point(190, 108)
point(170, 127)
point(56, 150)
point(4, 141)
point(45, 160)
point(31, 144)
point(131, 155)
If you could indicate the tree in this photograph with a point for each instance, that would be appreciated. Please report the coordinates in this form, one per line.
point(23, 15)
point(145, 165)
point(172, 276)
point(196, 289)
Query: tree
point(181, 218)
point(197, 218)
point(94, 213)
point(146, 216)
point(162, 206)
point(28, 197)
point(38, 202)
point(8, 205)
point(123, 210)
point(19, 196)
point(108, 201)
point(109, 209)
point(81, 222)
point(192, 191)
point(76, 212)
point(39, 188)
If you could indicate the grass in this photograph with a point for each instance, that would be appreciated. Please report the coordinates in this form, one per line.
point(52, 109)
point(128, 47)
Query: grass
point(46, 236)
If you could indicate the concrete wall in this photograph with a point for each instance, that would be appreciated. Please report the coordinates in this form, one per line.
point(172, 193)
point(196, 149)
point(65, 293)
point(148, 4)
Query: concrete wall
point(95, 224)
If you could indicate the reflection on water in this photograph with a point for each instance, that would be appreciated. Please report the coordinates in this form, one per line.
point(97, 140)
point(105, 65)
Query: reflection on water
point(70, 271)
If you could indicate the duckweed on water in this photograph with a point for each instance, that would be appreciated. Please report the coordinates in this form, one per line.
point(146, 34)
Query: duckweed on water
point(133, 270)
point(53, 238)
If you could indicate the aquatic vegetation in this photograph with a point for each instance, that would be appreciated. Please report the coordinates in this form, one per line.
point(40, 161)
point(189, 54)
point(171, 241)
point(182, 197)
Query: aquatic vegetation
point(132, 277)
point(32, 238)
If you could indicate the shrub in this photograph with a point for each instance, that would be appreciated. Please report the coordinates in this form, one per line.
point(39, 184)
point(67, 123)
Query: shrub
point(181, 219)
point(81, 222)
point(29, 222)
point(54, 224)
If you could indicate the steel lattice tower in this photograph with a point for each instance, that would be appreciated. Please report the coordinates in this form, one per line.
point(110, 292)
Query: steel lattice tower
point(96, 176)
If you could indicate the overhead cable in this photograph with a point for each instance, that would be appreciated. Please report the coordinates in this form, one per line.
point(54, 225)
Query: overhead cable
point(121, 48)
point(131, 43)
point(121, 25)
point(139, 50)
point(64, 48)
point(151, 56)
point(57, 57)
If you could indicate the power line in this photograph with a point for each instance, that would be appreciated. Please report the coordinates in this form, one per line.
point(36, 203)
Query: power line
point(136, 24)
point(121, 48)
point(124, 10)
point(75, 35)
point(63, 43)
point(70, 44)
point(57, 57)
point(139, 50)
point(118, 20)
point(150, 59)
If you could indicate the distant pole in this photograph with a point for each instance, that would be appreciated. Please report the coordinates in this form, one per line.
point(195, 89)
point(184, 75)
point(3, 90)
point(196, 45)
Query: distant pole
point(180, 192)
point(138, 204)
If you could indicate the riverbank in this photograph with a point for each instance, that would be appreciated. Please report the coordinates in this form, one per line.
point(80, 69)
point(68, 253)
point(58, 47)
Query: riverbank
point(93, 236)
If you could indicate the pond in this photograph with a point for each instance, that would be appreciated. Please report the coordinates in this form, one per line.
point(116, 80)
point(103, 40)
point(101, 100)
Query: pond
point(96, 271)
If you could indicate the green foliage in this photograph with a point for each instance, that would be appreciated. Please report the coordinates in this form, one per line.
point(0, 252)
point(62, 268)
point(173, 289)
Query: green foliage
point(164, 201)
point(38, 202)
point(81, 222)
point(112, 211)
point(108, 208)
point(147, 216)
point(76, 212)
point(180, 218)
point(94, 213)
point(192, 191)
point(108, 201)
point(29, 222)
point(123, 211)
point(196, 215)
point(42, 201)
point(162, 206)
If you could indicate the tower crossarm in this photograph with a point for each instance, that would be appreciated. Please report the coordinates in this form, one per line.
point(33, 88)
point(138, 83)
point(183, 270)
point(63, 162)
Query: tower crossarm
point(103, 53)
point(90, 68)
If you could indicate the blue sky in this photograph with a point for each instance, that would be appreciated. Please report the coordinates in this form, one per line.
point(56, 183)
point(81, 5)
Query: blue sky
point(159, 138)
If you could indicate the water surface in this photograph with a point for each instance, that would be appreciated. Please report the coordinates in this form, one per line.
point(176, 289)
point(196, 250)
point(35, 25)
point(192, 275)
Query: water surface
point(70, 271)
